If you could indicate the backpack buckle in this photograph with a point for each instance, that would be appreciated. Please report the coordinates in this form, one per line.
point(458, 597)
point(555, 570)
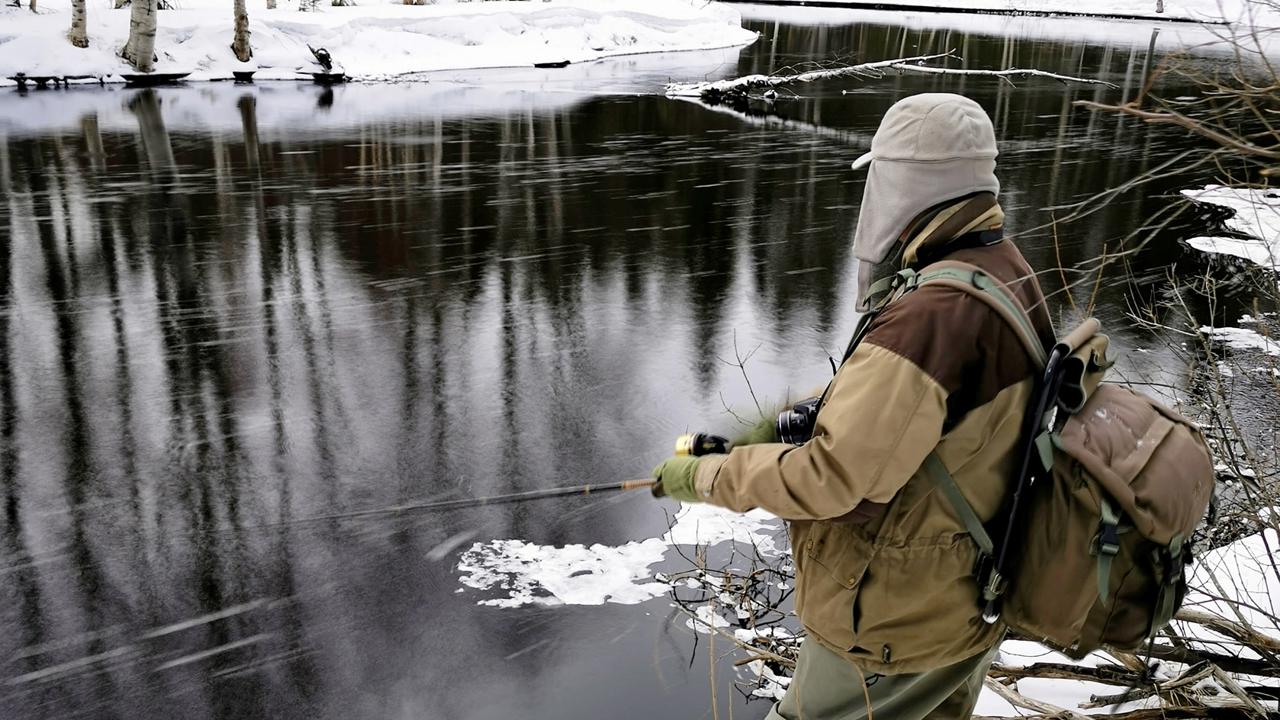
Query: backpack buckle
point(991, 586)
point(1109, 540)
point(982, 566)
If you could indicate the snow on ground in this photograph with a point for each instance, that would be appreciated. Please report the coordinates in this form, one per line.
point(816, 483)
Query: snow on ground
point(526, 574)
point(291, 110)
point(1256, 214)
point(1243, 339)
point(376, 40)
point(1139, 34)
point(1187, 10)
point(1246, 572)
point(1068, 694)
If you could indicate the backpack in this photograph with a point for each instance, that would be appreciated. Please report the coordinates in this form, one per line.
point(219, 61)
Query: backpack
point(1091, 548)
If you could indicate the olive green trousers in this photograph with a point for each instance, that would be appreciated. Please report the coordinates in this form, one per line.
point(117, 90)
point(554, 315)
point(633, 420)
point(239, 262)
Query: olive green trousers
point(827, 687)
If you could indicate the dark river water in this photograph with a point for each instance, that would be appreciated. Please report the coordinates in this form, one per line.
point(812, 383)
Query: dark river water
point(227, 308)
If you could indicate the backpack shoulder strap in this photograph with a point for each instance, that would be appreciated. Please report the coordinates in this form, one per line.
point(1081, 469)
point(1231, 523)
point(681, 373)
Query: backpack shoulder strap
point(973, 280)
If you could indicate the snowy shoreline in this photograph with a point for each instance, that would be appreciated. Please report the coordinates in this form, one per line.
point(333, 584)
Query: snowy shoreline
point(374, 41)
point(1186, 11)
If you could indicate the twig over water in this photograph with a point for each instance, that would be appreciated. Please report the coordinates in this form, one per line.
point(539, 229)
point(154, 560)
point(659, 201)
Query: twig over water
point(727, 91)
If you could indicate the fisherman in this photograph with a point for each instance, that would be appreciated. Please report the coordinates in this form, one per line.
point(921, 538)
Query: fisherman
point(884, 567)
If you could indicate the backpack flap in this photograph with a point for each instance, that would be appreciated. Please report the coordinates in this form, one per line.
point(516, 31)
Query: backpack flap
point(1150, 460)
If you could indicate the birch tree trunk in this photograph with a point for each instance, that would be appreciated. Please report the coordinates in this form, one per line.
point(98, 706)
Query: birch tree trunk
point(79, 34)
point(240, 45)
point(140, 51)
point(32, 5)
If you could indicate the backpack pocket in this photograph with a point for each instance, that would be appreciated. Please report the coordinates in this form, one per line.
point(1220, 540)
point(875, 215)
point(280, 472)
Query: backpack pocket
point(1054, 588)
point(1130, 612)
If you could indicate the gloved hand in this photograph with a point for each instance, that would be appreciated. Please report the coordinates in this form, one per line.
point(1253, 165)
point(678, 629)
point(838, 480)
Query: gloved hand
point(675, 479)
point(765, 431)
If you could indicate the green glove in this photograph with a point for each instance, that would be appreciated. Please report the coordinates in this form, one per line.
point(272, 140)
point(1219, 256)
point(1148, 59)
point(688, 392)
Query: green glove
point(765, 431)
point(675, 479)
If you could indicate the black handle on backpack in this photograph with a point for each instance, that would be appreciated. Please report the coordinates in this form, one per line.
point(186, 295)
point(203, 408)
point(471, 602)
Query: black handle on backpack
point(998, 568)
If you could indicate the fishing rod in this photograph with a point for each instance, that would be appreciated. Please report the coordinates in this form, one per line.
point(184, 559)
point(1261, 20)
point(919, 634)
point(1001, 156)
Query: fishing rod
point(695, 444)
point(488, 500)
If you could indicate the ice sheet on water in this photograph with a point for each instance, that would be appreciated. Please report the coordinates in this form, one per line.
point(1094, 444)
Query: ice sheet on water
point(710, 525)
point(1256, 213)
point(531, 574)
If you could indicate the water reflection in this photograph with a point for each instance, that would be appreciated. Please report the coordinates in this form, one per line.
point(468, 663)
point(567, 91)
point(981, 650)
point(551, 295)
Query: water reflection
point(223, 311)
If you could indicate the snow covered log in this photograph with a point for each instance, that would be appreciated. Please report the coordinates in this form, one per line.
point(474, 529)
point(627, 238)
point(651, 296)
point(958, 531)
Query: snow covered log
point(720, 90)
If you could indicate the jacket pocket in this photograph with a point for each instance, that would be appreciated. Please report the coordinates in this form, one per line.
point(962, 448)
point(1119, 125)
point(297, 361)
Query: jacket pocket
point(832, 559)
point(840, 551)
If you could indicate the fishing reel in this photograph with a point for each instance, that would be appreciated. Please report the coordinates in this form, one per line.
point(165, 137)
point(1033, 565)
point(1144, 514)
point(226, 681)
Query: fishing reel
point(699, 444)
point(794, 426)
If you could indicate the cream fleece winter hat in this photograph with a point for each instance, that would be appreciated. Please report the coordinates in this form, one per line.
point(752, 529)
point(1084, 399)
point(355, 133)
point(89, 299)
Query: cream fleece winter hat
point(930, 148)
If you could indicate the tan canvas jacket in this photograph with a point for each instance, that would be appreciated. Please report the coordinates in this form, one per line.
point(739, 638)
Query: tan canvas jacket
point(883, 564)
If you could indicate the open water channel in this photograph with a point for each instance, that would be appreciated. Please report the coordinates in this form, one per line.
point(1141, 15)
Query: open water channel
point(226, 308)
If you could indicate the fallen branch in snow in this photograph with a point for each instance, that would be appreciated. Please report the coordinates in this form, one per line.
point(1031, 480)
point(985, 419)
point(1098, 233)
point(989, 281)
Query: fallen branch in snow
point(1107, 674)
point(1016, 699)
point(737, 90)
point(1230, 663)
point(1151, 714)
point(1232, 629)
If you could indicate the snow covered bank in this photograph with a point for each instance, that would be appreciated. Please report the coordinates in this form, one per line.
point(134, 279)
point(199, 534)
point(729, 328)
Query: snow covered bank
point(1256, 213)
point(379, 39)
point(1167, 36)
point(1243, 339)
point(292, 111)
point(1174, 10)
